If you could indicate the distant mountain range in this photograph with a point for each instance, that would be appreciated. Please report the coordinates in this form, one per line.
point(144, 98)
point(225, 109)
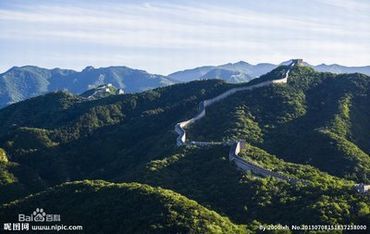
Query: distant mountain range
point(20, 83)
point(244, 72)
point(230, 72)
point(335, 68)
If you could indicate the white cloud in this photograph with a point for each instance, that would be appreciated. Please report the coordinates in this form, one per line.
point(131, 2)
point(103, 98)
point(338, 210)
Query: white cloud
point(191, 34)
point(353, 5)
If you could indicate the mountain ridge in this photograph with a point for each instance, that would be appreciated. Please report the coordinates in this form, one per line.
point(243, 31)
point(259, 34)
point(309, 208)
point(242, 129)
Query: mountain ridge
point(253, 71)
point(129, 204)
point(19, 83)
point(60, 137)
point(22, 82)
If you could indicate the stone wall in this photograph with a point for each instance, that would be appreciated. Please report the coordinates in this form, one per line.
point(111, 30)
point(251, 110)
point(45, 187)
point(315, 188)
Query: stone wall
point(248, 166)
point(362, 188)
point(236, 147)
point(180, 127)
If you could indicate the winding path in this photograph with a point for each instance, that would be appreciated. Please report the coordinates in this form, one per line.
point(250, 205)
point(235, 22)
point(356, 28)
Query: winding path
point(236, 146)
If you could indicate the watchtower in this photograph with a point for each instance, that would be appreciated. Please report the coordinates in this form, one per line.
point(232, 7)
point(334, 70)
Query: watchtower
point(362, 188)
point(298, 61)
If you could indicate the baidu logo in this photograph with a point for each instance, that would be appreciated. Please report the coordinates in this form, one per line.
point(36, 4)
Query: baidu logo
point(39, 221)
point(39, 215)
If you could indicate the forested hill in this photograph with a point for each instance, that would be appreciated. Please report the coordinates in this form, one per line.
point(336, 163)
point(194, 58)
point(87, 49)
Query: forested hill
point(20, 83)
point(313, 128)
point(128, 205)
point(318, 119)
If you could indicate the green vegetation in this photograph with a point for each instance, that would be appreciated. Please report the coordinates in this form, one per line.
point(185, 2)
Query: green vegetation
point(17, 181)
point(20, 83)
point(103, 207)
point(315, 128)
point(205, 175)
point(3, 157)
point(101, 91)
point(315, 119)
point(60, 137)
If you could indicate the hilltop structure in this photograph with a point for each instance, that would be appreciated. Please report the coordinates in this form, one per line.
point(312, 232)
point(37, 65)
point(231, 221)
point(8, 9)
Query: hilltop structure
point(298, 62)
point(102, 91)
point(362, 188)
point(236, 147)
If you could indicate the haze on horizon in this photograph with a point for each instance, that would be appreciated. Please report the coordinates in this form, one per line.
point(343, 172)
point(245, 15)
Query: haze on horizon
point(167, 36)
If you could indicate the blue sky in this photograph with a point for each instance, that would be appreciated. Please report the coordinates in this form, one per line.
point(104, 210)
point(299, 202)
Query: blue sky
point(166, 36)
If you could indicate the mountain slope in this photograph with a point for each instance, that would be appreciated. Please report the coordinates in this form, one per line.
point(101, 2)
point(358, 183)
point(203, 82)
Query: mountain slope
point(20, 83)
point(314, 109)
point(335, 68)
point(101, 91)
point(229, 76)
point(132, 208)
point(205, 175)
point(191, 74)
point(130, 80)
point(231, 72)
point(249, 71)
point(61, 137)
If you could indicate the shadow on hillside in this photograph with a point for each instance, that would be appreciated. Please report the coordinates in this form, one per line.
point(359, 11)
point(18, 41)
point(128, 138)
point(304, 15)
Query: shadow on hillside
point(301, 139)
point(206, 176)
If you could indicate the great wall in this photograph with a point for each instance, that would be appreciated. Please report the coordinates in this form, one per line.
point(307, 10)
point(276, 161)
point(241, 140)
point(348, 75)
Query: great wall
point(244, 165)
point(236, 147)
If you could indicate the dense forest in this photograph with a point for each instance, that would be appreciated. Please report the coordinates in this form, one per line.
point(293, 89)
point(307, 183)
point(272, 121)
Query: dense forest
point(115, 159)
point(318, 119)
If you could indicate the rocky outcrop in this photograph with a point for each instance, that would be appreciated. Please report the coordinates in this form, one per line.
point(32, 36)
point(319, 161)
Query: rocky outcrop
point(101, 91)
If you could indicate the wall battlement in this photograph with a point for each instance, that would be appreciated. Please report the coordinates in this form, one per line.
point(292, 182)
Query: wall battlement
point(244, 165)
point(298, 61)
point(362, 188)
point(236, 147)
point(179, 128)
